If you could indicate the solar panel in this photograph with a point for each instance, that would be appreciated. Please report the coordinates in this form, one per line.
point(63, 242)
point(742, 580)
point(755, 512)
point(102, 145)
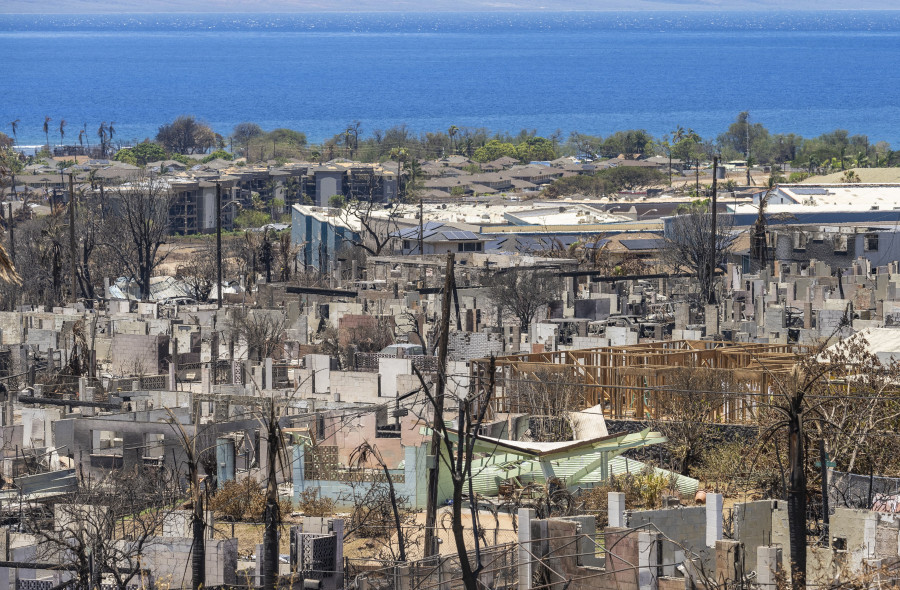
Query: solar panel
point(642, 244)
point(460, 235)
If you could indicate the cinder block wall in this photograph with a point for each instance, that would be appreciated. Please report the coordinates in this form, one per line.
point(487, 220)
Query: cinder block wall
point(686, 525)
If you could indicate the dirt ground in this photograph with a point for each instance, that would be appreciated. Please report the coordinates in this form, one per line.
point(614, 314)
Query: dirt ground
point(179, 252)
point(249, 535)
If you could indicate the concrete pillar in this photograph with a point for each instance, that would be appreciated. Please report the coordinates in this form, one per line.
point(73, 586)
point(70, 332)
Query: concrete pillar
point(337, 527)
point(403, 578)
point(259, 565)
point(526, 565)
point(712, 320)
point(713, 519)
point(204, 380)
point(299, 470)
point(768, 567)
point(616, 509)
point(269, 376)
point(4, 578)
point(649, 555)
point(682, 315)
point(263, 457)
point(173, 383)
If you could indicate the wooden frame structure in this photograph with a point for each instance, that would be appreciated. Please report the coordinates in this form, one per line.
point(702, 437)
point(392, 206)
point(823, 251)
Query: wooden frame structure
point(628, 380)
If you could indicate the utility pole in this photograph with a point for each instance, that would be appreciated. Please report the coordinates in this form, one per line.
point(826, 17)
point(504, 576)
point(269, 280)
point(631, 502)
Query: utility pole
point(711, 295)
point(421, 230)
point(218, 245)
point(433, 462)
point(749, 156)
point(72, 236)
point(670, 165)
point(12, 237)
point(826, 519)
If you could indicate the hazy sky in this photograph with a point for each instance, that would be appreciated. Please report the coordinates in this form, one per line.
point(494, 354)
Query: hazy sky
point(82, 6)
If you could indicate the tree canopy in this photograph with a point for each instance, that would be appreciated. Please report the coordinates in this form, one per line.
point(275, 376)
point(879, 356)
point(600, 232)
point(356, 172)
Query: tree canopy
point(141, 154)
point(186, 135)
point(604, 182)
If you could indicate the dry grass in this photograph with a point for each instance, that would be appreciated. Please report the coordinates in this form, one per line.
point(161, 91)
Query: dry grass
point(249, 535)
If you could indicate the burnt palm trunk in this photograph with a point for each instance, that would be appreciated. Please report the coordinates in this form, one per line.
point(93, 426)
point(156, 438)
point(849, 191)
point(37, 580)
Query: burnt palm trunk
point(198, 556)
point(797, 494)
point(272, 516)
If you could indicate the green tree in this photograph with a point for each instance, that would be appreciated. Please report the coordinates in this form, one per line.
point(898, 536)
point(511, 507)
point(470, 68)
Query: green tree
point(249, 218)
point(141, 154)
point(605, 182)
point(686, 145)
point(452, 132)
point(581, 145)
point(493, 150)
point(218, 155)
point(536, 149)
point(631, 143)
point(748, 139)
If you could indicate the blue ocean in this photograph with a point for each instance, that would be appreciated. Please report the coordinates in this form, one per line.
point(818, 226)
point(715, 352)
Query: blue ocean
point(796, 72)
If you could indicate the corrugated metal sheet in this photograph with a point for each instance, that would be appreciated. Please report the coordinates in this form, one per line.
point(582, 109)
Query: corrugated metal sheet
point(489, 476)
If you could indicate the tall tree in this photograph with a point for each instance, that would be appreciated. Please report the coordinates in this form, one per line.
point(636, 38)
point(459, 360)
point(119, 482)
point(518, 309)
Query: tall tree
point(522, 293)
point(243, 133)
point(101, 133)
point(47, 130)
point(143, 217)
point(15, 129)
point(107, 525)
point(401, 155)
point(687, 244)
point(62, 131)
point(186, 135)
point(452, 132)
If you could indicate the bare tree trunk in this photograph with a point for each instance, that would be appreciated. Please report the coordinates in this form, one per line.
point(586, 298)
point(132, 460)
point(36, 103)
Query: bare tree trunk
point(272, 511)
point(797, 493)
point(198, 556)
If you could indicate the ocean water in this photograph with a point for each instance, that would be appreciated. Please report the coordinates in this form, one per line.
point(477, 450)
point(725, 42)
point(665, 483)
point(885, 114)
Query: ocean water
point(796, 72)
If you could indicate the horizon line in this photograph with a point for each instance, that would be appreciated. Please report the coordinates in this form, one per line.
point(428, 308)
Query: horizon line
point(700, 9)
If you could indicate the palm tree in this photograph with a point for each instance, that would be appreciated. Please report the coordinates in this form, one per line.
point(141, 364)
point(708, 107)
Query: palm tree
point(15, 129)
point(47, 130)
point(400, 154)
point(348, 143)
point(62, 131)
point(81, 139)
point(101, 133)
point(111, 131)
point(86, 137)
point(452, 133)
